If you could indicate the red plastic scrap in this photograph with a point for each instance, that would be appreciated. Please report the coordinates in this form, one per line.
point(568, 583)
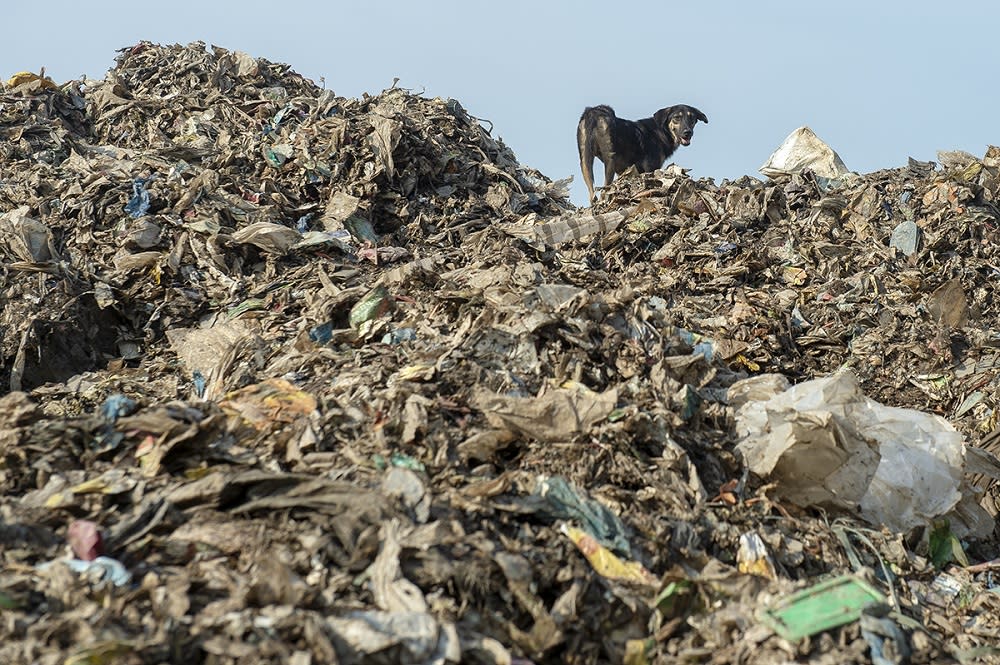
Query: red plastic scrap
point(85, 538)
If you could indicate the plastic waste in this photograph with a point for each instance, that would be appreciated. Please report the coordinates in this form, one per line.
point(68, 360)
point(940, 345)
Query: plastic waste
point(753, 557)
point(821, 607)
point(117, 406)
point(138, 205)
point(905, 237)
point(102, 568)
point(22, 78)
point(824, 442)
point(556, 498)
point(399, 336)
point(887, 642)
point(605, 563)
point(103, 653)
point(408, 637)
point(376, 303)
point(322, 333)
point(85, 539)
point(803, 150)
point(943, 546)
point(200, 382)
point(269, 402)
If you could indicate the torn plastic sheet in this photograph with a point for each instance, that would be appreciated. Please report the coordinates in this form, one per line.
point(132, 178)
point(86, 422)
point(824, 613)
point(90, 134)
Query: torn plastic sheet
point(406, 637)
point(802, 150)
point(823, 441)
point(556, 415)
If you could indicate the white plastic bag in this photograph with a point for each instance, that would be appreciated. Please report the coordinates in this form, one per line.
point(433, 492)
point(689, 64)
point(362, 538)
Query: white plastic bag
point(824, 442)
point(804, 150)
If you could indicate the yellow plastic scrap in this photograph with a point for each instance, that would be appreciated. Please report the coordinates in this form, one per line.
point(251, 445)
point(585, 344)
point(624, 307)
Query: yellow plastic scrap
point(21, 78)
point(273, 400)
point(150, 453)
point(59, 499)
point(752, 558)
point(746, 362)
point(605, 563)
point(417, 372)
point(637, 651)
point(103, 653)
point(114, 481)
point(970, 171)
point(794, 276)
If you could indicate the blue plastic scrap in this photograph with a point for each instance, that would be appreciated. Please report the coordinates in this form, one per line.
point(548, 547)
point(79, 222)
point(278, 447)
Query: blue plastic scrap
point(905, 237)
point(200, 383)
point(138, 205)
point(302, 223)
point(116, 406)
point(322, 333)
point(559, 499)
point(726, 248)
point(399, 336)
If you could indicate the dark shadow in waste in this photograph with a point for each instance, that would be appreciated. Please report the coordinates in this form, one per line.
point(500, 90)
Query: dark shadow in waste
point(82, 342)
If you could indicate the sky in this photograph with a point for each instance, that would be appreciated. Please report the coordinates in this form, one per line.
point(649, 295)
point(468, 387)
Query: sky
point(879, 81)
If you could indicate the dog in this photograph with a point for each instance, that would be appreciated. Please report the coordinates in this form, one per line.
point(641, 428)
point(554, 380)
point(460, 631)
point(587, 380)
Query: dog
point(620, 144)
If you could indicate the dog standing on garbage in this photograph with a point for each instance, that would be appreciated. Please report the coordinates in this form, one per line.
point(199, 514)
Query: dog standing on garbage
point(620, 144)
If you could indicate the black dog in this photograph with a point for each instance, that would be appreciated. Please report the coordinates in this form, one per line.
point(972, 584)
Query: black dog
point(619, 143)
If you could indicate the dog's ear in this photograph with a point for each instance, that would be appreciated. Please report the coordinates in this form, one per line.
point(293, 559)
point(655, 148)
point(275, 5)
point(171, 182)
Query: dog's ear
point(701, 116)
point(662, 117)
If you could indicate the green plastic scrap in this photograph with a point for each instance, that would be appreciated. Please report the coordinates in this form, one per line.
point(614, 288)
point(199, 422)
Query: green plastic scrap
point(561, 500)
point(361, 229)
point(690, 402)
point(397, 459)
point(277, 155)
point(821, 607)
point(969, 402)
point(406, 462)
point(246, 306)
point(8, 602)
point(674, 598)
point(944, 547)
point(617, 414)
point(376, 303)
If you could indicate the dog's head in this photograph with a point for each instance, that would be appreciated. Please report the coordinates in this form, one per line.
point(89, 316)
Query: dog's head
point(679, 122)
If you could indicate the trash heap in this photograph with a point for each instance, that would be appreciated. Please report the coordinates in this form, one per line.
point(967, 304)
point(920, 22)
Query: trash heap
point(295, 378)
point(819, 278)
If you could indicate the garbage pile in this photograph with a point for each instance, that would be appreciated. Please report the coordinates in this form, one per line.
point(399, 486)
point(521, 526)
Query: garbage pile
point(295, 378)
point(891, 274)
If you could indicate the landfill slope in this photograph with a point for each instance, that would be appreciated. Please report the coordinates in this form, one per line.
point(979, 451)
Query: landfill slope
point(339, 380)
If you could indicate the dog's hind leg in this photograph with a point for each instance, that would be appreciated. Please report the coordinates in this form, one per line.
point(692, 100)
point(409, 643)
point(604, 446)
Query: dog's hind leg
point(586, 160)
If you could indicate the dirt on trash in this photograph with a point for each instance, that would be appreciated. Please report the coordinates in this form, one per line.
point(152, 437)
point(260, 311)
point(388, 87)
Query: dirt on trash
point(294, 378)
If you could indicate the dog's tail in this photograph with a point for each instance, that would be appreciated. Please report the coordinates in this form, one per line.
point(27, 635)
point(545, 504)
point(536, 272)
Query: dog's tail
point(592, 116)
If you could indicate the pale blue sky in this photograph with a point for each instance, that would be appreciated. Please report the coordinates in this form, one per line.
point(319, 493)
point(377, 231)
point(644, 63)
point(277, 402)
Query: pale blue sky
point(878, 81)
